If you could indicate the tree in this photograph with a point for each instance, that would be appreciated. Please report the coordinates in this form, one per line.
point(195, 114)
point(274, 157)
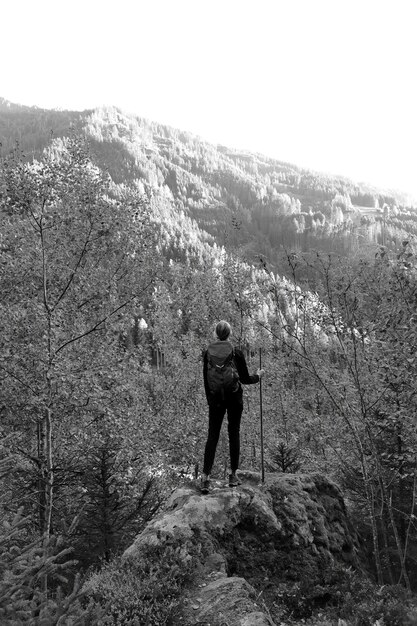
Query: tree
point(357, 343)
point(75, 260)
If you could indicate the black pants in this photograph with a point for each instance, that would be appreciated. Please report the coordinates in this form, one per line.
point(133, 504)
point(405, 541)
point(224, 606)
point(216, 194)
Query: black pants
point(233, 404)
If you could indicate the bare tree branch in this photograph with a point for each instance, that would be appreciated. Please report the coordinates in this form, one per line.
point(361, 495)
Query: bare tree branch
point(98, 325)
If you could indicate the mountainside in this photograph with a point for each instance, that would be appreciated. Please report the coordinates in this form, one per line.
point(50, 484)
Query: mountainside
point(205, 194)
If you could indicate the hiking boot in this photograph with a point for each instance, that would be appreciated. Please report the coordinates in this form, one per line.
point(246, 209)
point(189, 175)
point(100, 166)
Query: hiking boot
point(234, 480)
point(205, 484)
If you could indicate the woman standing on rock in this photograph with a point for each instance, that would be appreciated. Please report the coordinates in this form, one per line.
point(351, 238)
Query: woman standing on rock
point(224, 372)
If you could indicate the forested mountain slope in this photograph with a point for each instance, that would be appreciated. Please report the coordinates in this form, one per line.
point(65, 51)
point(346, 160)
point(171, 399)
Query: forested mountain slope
point(217, 194)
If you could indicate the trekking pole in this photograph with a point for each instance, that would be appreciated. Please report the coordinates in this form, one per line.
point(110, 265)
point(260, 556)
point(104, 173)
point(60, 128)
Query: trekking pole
point(262, 425)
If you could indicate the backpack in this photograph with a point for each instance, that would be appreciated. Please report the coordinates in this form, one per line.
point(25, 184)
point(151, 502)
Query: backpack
point(222, 375)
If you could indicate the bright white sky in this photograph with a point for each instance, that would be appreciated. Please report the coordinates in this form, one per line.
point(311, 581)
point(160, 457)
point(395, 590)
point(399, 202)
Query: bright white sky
point(326, 84)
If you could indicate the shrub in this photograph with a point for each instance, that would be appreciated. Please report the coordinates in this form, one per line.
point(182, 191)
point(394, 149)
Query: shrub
point(145, 592)
point(344, 596)
point(29, 574)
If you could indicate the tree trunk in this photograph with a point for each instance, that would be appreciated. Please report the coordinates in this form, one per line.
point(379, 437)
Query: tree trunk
point(370, 498)
point(49, 482)
point(107, 531)
point(400, 551)
point(40, 434)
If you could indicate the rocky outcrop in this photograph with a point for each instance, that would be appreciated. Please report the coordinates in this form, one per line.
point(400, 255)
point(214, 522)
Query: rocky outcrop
point(246, 542)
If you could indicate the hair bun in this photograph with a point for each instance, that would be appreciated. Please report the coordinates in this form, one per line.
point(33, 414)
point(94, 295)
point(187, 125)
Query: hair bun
point(223, 330)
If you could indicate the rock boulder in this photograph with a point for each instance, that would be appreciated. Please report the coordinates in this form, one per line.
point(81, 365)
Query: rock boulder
point(245, 542)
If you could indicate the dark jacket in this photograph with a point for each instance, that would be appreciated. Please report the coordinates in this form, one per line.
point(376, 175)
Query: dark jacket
point(242, 369)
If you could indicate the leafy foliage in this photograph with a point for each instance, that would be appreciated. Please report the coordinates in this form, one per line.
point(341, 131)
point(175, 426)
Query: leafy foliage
point(147, 592)
point(344, 597)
